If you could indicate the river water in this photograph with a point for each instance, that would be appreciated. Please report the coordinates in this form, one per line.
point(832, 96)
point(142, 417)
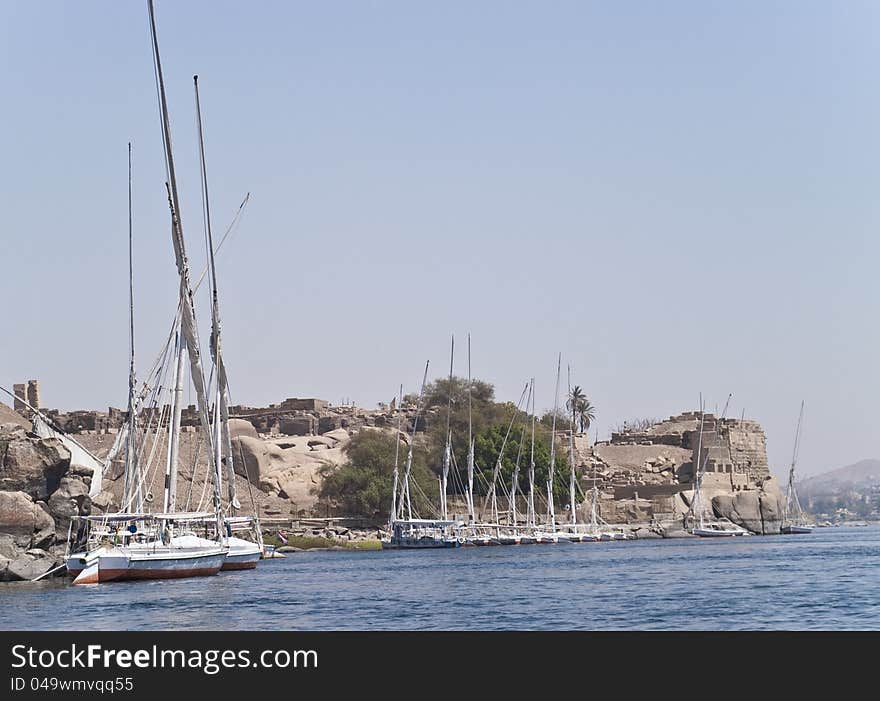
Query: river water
point(829, 579)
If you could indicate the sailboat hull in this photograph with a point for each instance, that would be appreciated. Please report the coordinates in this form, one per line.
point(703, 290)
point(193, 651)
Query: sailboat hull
point(791, 530)
point(241, 562)
point(419, 543)
point(243, 555)
point(119, 564)
point(710, 533)
point(165, 567)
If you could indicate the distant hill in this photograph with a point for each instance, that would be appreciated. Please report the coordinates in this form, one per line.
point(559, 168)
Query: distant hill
point(845, 494)
point(862, 473)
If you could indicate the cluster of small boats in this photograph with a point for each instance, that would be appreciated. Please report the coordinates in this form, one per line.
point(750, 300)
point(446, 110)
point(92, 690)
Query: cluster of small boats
point(406, 531)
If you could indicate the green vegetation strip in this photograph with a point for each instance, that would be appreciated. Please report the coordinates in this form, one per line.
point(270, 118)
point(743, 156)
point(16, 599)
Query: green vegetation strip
point(311, 542)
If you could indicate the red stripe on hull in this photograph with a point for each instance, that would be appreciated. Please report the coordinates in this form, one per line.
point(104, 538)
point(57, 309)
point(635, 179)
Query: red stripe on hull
point(110, 575)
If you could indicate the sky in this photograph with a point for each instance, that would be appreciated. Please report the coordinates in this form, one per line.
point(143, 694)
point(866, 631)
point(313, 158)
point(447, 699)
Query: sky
point(679, 197)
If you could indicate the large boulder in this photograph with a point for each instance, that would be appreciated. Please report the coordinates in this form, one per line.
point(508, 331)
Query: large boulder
point(758, 510)
point(24, 522)
point(105, 502)
point(30, 464)
point(742, 508)
point(242, 427)
point(8, 548)
point(772, 504)
point(69, 500)
point(250, 458)
point(28, 566)
point(289, 468)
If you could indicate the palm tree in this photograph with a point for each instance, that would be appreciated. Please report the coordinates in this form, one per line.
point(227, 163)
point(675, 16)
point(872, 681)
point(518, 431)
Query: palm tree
point(576, 395)
point(581, 407)
point(586, 414)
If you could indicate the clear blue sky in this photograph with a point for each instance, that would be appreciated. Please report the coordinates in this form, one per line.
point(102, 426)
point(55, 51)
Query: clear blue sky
point(679, 196)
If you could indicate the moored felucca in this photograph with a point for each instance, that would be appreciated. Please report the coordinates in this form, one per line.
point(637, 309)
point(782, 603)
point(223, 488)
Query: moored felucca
point(412, 532)
point(794, 520)
point(703, 527)
point(133, 544)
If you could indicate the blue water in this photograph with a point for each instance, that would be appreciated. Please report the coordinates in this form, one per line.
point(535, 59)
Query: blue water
point(829, 579)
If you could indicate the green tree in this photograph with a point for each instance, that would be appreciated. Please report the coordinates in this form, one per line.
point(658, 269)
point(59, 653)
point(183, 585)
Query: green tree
point(485, 413)
point(487, 448)
point(362, 485)
point(562, 419)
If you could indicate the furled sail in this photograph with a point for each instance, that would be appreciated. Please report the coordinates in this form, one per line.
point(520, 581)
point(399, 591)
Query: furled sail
point(187, 309)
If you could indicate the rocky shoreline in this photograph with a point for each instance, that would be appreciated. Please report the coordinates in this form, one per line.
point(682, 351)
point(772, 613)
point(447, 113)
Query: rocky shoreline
point(39, 493)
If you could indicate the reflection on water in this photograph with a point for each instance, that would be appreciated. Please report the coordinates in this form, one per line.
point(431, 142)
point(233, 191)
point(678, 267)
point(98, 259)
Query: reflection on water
point(825, 580)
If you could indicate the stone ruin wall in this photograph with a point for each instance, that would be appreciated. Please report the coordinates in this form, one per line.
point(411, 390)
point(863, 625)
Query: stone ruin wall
point(640, 471)
point(292, 417)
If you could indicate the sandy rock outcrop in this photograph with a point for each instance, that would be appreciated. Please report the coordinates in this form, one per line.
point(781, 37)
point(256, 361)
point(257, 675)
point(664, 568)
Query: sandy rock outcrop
point(242, 427)
point(289, 467)
point(11, 418)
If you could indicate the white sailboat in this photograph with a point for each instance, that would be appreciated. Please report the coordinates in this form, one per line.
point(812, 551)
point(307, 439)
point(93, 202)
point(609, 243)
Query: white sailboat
point(498, 534)
point(528, 537)
point(715, 527)
point(412, 532)
point(133, 544)
point(794, 519)
point(547, 533)
point(574, 533)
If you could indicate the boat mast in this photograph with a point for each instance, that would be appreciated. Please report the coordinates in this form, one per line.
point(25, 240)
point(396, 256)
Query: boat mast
point(792, 505)
point(170, 500)
point(551, 511)
point(571, 482)
point(447, 451)
point(496, 473)
point(221, 405)
point(695, 505)
point(187, 317)
point(133, 495)
point(470, 456)
point(594, 498)
point(396, 457)
point(514, 481)
point(702, 462)
point(531, 519)
point(405, 491)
